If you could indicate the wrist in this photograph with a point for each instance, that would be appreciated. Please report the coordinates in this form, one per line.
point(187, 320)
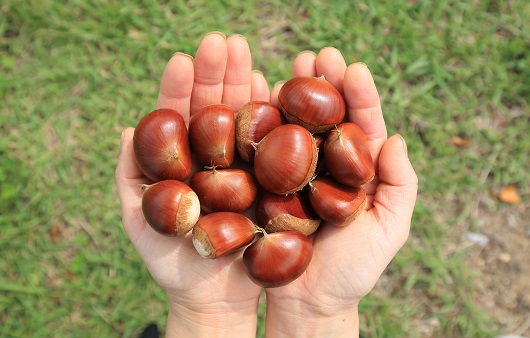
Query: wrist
point(213, 320)
point(296, 318)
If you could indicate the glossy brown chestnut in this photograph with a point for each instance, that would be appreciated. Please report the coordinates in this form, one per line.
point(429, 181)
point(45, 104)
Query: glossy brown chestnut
point(170, 207)
point(336, 204)
point(255, 120)
point(312, 102)
point(277, 259)
point(224, 189)
point(321, 168)
point(286, 212)
point(161, 146)
point(221, 233)
point(212, 135)
point(347, 155)
point(285, 159)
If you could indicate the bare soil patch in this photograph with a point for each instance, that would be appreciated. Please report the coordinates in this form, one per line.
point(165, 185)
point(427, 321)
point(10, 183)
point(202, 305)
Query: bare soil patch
point(504, 264)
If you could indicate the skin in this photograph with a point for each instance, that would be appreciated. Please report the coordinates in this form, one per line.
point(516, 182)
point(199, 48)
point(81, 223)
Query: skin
point(215, 297)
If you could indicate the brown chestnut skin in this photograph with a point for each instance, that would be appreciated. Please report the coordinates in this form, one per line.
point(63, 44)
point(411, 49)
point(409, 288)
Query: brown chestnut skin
point(224, 189)
point(312, 102)
point(285, 159)
point(170, 207)
point(286, 212)
point(347, 155)
point(212, 135)
point(321, 168)
point(253, 121)
point(161, 146)
point(277, 259)
point(335, 203)
point(222, 233)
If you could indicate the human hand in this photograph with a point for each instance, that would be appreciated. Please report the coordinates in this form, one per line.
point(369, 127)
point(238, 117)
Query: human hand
point(207, 297)
point(348, 261)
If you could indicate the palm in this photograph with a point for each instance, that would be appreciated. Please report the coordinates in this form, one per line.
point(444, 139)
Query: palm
point(346, 262)
point(220, 73)
point(177, 267)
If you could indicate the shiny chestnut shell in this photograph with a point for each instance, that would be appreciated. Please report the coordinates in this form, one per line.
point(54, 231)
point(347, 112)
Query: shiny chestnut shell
point(161, 146)
point(253, 121)
point(277, 259)
point(335, 203)
point(347, 155)
point(224, 189)
point(285, 159)
point(212, 135)
point(286, 212)
point(312, 102)
point(170, 207)
point(222, 233)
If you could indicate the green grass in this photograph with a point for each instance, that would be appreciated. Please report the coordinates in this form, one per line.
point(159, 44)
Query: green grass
point(73, 74)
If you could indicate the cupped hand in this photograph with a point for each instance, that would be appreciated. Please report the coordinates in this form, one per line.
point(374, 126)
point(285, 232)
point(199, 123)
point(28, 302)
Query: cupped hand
point(348, 261)
point(220, 73)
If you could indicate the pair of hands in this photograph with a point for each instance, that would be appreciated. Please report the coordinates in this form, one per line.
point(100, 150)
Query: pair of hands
point(215, 297)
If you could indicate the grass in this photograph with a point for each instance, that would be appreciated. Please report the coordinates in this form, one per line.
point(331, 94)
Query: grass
point(73, 74)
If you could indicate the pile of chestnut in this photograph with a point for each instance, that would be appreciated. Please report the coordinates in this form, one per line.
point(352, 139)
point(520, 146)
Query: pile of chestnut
point(298, 165)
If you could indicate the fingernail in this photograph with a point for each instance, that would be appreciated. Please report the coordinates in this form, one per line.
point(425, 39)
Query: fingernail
point(255, 71)
point(361, 63)
point(328, 47)
point(307, 52)
point(404, 144)
point(184, 54)
point(279, 83)
point(237, 35)
point(217, 33)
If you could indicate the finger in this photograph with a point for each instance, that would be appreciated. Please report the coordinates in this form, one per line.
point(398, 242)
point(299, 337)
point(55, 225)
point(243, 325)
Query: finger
point(237, 79)
point(363, 106)
point(176, 85)
point(304, 64)
point(129, 177)
point(259, 87)
point(275, 91)
point(331, 64)
point(396, 193)
point(209, 68)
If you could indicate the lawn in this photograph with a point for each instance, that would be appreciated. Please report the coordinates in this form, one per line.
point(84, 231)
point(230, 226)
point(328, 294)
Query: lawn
point(454, 78)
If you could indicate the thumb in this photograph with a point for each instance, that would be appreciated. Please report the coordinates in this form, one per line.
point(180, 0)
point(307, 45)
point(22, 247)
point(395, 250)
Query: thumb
point(396, 193)
point(128, 174)
point(129, 177)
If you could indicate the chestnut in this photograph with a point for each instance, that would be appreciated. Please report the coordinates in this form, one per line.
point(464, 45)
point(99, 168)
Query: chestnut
point(321, 168)
point(312, 102)
point(170, 207)
point(161, 146)
point(347, 155)
point(255, 120)
point(285, 159)
point(221, 233)
point(224, 189)
point(212, 135)
point(335, 203)
point(277, 259)
point(286, 212)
